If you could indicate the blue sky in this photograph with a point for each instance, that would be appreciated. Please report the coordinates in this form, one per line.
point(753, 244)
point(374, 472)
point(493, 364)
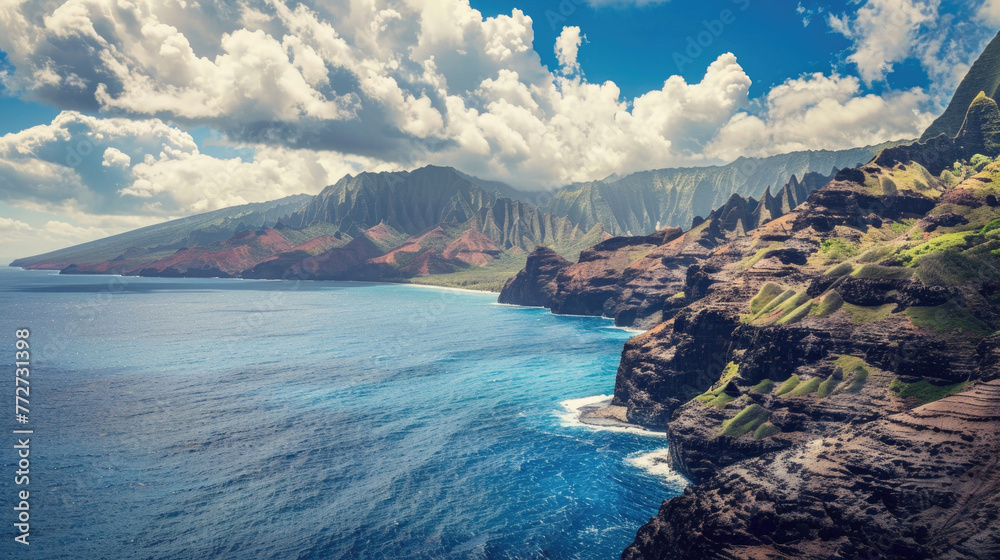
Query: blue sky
point(633, 46)
point(161, 110)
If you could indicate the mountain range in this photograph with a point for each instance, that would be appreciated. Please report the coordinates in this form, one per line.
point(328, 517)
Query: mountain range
point(644, 202)
point(433, 225)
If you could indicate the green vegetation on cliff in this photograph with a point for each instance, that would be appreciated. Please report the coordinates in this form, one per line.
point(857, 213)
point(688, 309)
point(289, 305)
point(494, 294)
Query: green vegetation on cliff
point(746, 421)
point(947, 318)
point(924, 391)
point(716, 396)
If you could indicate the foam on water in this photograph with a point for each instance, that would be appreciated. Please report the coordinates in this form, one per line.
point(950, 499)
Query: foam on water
point(573, 409)
point(657, 463)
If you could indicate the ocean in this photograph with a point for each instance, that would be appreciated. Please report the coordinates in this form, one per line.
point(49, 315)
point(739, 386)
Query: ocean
point(187, 418)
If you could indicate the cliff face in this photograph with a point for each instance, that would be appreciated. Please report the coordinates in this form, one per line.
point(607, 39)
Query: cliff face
point(593, 285)
point(919, 484)
point(643, 281)
point(535, 285)
point(651, 200)
point(831, 382)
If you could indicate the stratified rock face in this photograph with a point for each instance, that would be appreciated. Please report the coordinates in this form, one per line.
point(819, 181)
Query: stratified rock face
point(535, 285)
point(592, 285)
point(642, 281)
point(671, 364)
point(832, 384)
point(921, 484)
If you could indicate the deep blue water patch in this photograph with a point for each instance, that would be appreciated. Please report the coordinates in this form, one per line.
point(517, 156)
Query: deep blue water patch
point(243, 419)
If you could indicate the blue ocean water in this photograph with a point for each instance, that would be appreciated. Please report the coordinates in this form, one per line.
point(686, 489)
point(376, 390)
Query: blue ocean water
point(253, 419)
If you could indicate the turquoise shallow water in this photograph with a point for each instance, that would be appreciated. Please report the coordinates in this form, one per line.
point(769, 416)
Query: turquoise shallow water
point(244, 419)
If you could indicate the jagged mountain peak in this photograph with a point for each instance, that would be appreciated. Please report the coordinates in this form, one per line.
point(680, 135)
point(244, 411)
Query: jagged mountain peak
point(981, 128)
point(984, 76)
point(979, 134)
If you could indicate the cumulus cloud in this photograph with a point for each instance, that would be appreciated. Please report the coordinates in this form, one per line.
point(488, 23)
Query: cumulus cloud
point(9, 225)
point(84, 165)
point(884, 32)
point(335, 87)
point(567, 48)
point(113, 157)
point(819, 110)
point(944, 42)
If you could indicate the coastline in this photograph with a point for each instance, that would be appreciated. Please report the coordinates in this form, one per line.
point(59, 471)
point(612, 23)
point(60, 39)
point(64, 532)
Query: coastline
point(658, 464)
point(445, 288)
point(595, 413)
point(418, 285)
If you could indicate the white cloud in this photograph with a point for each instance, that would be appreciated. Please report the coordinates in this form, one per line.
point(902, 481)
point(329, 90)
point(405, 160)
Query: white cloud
point(807, 14)
point(21, 239)
point(990, 11)
point(84, 165)
point(567, 47)
point(113, 157)
point(884, 32)
point(337, 87)
point(943, 41)
point(8, 226)
point(818, 110)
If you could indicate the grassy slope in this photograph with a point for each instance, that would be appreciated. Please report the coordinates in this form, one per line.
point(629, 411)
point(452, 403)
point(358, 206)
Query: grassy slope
point(490, 278)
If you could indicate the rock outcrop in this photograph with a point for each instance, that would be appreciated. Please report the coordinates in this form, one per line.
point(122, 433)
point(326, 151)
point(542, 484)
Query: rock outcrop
point(984, 76)
point(536, 284)
point(921, 484)
point(831, 382)
point(643, 281)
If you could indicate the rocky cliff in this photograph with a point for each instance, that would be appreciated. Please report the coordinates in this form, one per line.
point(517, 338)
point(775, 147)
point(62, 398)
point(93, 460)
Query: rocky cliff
point(493, 225)
point(641, 281)
point(830, 382)
point(536, 284)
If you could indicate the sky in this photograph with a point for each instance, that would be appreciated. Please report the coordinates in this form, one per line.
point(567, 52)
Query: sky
point(116, 114)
